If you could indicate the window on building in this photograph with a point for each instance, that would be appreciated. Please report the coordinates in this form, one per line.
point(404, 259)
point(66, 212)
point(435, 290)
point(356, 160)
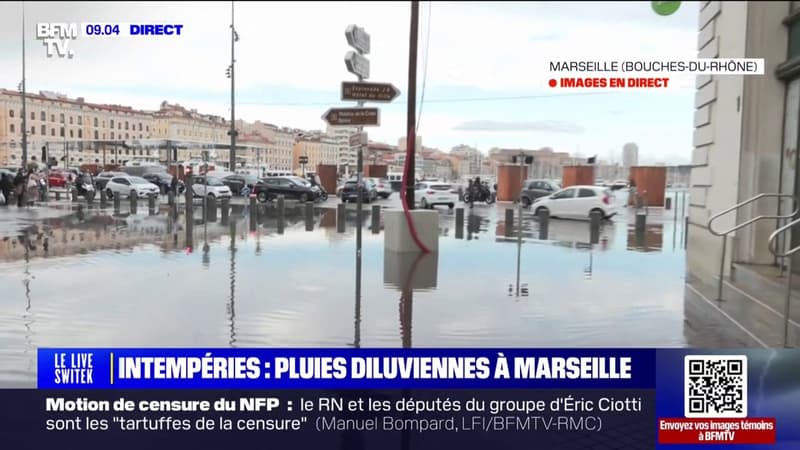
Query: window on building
point(95, 121)
point(61, 117)
point(104, 136)
point(52, 131)
point(126, 136)
point(794, 40)
point(80, 120)
point(12, 127)
point(104, 124)
point(119, 125)
point(80, 134)
point(112, 135)
point(126, 124)
point(147, 128)
point(44, 130)
point(95, 135)
point(33, 115)
point(11, 113)
point(140, 126)
point(70, 133)
point(62, 132)
point(70, 120)
point(33, 130)
point(42, 116)
point(52, 117)
point(127, 152)
point(111, 122)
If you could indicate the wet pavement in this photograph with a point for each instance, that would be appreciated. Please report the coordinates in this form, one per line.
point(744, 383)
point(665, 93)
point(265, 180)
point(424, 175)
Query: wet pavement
point(87, 276)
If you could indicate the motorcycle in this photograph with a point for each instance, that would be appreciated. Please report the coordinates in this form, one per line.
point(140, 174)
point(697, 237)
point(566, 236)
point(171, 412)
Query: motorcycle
point(85, 188)
point(479, 194)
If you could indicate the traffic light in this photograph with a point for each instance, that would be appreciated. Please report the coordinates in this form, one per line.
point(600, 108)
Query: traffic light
point(591, 159)
point(527, 159)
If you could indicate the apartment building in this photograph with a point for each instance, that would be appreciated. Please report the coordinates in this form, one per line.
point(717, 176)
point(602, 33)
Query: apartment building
point(318, 148)
point(72, 131)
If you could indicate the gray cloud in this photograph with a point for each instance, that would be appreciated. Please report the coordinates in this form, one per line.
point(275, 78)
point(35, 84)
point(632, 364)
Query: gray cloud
point(553, 126)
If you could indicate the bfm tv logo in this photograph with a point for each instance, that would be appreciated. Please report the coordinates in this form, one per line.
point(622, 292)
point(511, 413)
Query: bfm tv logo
point(56, 37)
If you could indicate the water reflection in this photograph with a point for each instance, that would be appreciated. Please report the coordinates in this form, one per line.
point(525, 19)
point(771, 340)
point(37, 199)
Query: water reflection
point(651, 239)
point(300, 291)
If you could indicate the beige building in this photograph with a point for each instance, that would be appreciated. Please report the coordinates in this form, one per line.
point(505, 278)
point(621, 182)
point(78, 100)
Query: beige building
point(318, 148)
point(69, 126)
point(546, 162)
point(471, 160)
point(745, 144)
point(198, 131)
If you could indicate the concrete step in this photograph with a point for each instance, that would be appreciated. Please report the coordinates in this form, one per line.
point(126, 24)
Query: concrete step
point(756, 297)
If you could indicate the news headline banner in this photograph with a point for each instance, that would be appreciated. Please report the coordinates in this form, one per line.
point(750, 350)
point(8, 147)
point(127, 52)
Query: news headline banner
point(320, 419)
point(104, 368)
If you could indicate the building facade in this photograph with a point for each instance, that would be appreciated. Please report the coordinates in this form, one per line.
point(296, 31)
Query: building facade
point(471, 159)
point(745, 144)
point(318, 148)
point(630, 155)
point(71, 131)
point(347, 155)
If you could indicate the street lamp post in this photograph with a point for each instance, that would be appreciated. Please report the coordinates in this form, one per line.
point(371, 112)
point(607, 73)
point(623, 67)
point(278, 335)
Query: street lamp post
point(24, 111)
point(232, 132)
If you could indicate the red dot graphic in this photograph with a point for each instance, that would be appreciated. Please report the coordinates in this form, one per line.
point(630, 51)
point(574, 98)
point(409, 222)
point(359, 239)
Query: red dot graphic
point(553, 83)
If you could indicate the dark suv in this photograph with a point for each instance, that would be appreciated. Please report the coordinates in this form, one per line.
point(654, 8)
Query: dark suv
point(164, 181)
point(350, 191)
point(290, 187)
point(533, 189)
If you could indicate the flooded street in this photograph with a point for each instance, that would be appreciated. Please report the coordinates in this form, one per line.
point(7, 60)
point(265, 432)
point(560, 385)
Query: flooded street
point(90, 277)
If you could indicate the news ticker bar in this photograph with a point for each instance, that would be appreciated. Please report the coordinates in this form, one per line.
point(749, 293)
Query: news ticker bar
point(467, 419)
point(104, 368)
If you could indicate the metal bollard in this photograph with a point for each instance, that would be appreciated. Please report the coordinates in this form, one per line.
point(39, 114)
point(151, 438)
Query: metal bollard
point(253, 214)
point(103, 197)
point(544, 222)
point(225, 208)
point(340, 217)
point(134, 203)
point(42, 196)
point(309, 216)
point(596, 217)
point(58, 196)
point(151, 203)
point(74, 194)
point(685, 231)
point(116, 203)
point(171, 197)
point(459, 223)
point(211, 208)
point(376, 219)
point(641, 222)
point(509, 222)
point(668, 203)
point(281, 214)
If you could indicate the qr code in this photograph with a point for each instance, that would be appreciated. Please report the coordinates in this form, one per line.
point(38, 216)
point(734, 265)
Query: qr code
point(715, 386)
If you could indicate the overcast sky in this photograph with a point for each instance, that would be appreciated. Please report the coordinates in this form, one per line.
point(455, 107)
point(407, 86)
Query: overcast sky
point(485, 83)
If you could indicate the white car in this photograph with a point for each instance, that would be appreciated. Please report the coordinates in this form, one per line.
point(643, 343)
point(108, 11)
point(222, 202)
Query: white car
point(129, 186)
point(578, 202)
point(383, 186)
point(429, 194)
point(207, 186)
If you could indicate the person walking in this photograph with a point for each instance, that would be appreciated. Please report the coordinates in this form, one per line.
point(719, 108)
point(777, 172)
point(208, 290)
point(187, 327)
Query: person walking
point(19, 187)
point(6, 186)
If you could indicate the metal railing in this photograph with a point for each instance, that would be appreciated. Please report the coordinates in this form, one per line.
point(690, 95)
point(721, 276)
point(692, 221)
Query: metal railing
point(724, 234)
point(787, 256)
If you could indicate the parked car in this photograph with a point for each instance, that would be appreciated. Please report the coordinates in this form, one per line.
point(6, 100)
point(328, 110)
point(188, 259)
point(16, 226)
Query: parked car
point(430, 194)
point(208, 186)
point(350, 191)
point(533, 189)
point(57, 179)
point(129, 186)
point(101, 179)
point(164, 181)
point(578, 202)
point(237, 182)
point(619, 184)
point(290, 187)
point(383, 186)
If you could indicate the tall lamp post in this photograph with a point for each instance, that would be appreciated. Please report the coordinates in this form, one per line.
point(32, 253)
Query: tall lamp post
point(232, 132)
point(22, 91)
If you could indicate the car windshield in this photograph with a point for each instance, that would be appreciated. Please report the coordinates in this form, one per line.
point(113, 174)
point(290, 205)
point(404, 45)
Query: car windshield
point(214, 181)
point(138, 180)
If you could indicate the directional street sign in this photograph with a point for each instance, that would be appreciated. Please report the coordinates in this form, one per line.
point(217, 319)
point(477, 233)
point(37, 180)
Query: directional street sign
point(372, 92)
point(352, 117)
point(357, 64)
point(357, 38)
